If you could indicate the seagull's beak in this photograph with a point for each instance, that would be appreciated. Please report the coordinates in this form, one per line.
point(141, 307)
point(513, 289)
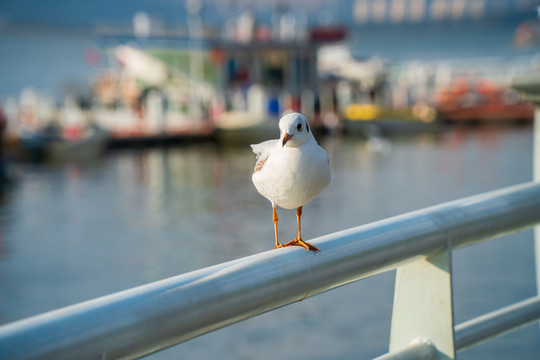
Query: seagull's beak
point(286, 137)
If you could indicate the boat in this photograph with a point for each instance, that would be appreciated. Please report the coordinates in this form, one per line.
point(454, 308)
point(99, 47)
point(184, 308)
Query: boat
point(483, 101)
point(244, 127)
point(55, 145)
point(87, 147)
point(364, 118)
point(233, 85)
point(150, 101)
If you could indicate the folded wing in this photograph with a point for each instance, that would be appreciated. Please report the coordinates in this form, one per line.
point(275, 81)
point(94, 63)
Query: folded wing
point(263, 151)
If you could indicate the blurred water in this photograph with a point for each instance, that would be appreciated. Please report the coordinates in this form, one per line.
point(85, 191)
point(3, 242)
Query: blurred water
point(45, 60)
point(74, 232)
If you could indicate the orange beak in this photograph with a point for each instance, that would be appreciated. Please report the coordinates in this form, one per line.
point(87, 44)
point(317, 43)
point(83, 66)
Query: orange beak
point(286, 137)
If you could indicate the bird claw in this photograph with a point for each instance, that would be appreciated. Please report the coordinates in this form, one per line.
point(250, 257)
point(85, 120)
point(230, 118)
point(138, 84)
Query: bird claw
point(302, 243)
point(278, 246)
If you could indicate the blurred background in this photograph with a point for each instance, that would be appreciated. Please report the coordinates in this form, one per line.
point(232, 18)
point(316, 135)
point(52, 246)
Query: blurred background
point(125, 153)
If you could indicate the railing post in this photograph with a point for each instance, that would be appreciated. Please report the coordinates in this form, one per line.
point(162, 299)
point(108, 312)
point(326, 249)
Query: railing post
point(423, 304)
point(529, 87)
point(536, 178)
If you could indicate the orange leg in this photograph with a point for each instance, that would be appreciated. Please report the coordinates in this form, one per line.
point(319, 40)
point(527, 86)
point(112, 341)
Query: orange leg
point(298, 241)
point(275, 218)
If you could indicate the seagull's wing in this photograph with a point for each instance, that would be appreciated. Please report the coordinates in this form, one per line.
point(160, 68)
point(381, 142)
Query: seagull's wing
point(263, 151)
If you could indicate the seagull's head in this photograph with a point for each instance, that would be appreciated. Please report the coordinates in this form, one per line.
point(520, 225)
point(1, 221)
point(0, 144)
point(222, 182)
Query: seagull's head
point(294, 130)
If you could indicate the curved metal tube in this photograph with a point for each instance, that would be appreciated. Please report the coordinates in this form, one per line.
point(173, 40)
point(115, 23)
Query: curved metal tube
point(496, 323)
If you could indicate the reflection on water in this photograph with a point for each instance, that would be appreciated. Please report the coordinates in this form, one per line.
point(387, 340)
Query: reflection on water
point(74, 232)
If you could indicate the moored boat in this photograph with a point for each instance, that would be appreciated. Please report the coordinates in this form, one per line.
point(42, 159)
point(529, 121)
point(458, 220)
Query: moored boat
point(481, 101)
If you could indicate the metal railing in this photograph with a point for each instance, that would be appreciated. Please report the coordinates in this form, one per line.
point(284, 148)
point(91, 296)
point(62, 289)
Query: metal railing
point(152, 317)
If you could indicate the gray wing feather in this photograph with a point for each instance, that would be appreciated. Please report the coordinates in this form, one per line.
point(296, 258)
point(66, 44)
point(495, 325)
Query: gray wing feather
point(263, 149)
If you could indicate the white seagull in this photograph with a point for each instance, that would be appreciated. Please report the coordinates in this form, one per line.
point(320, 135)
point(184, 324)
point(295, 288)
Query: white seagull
point(291, 171)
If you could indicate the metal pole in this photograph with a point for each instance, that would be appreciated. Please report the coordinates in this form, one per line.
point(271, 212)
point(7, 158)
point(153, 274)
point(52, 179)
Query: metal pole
point(195, 33)
point(529, 86)
point(419, 349)
point(496, 323)
point(536, 179)
point(423, 305)
point(152, 317)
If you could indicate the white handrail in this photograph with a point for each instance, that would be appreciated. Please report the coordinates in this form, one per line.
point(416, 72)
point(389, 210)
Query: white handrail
point(152, 317)
point(496, 323)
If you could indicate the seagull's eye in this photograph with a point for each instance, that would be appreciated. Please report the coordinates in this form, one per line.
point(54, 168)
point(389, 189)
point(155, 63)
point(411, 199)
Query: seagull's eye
point(299, 127)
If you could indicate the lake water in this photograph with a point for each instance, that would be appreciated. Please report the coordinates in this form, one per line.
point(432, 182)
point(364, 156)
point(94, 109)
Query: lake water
point(74, 232)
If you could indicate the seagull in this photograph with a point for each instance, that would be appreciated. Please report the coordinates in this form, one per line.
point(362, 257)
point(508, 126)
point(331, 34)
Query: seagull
point(291, 171)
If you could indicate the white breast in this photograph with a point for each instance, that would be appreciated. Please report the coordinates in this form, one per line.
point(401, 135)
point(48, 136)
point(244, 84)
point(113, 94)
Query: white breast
point(292, 177)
